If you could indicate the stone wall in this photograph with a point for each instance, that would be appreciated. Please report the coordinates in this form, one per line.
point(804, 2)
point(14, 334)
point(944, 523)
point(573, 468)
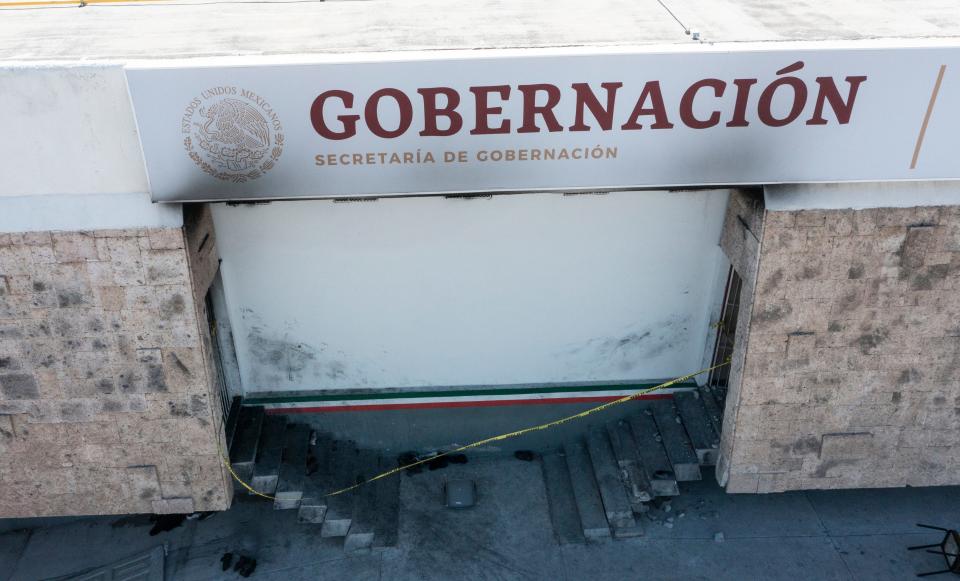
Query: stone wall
point(740, 241)
point(851, 368)
point(106, 403)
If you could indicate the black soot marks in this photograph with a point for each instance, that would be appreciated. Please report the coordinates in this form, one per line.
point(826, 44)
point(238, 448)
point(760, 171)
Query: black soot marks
point(800, 447)
point(855, 271)
point(823, 470)
point(111, 405)
point(909, 376)
point(916, 245)
point(72, 412)
point(105, 386)
point(19, 386)
point(127, 381)
point(71, 298)
point(288, 358)
point(929, 276)
point(807, 445)
point(156, 381)
point(173, 306)
point(848, 302)
point(336, 370)
point(624, 345)
point(278, 358)
point(10, 331)
point(179, 364)
point(809, 272)
point(772, 313)
point(634, 346)
point(948, 373)
point(870, 341)
point(196, 406)
point(774, 281)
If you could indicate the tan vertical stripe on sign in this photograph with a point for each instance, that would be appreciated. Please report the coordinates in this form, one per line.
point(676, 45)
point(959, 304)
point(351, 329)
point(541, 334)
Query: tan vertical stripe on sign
point(926, 117)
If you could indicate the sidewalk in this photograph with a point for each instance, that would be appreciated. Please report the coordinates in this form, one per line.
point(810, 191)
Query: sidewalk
point(861, 534)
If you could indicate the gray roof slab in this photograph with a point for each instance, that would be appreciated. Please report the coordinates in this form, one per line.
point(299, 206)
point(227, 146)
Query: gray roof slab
point(180, 29)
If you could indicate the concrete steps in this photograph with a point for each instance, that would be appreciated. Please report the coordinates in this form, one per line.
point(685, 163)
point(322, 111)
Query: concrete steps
point(230, 426)
point(649, 449)
point(586, 493)
point(298, 466)
point(246, 441)
point(683, 458)
point(635, 479)
point(713, 405)
point(266, 469)
point(597, 485)
point(564, 515)
point(387, 525)
point(696, 421)
point(292, 481)
point(613, 491)
point(359, 536)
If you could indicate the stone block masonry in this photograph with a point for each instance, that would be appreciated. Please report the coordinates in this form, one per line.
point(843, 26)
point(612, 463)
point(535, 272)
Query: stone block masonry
point(106, 403)
point(848, 374)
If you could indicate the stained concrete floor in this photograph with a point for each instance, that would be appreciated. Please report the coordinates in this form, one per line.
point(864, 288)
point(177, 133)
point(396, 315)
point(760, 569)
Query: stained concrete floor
point(813, 535)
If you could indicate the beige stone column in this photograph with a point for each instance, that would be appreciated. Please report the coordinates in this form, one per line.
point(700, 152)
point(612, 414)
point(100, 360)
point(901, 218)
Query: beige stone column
point(847, 364)
point(106, 397)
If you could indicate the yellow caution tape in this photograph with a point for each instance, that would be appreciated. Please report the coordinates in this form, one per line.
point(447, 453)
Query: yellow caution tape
point(250, 489)
point(499, 438)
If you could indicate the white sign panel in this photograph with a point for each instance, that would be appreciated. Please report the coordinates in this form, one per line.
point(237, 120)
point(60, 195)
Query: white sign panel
point(548, 122)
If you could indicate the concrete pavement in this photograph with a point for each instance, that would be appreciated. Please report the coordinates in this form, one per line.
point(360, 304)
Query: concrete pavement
point(857, 534)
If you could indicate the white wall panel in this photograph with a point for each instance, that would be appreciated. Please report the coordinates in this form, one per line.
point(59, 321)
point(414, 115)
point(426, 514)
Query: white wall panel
point(531, 288)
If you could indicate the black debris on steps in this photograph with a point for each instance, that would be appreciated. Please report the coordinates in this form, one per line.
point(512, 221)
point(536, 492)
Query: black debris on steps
point(166, 522)
point(245, 566)
point(442, 461)
point(202, 516)
point(434, 461)
point(226, 560)
point(313, 464)
point(163, 523)
point(133, 520)
point(409, 458)
point(525, 455)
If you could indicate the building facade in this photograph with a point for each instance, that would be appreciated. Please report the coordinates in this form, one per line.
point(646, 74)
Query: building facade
point(151, 269)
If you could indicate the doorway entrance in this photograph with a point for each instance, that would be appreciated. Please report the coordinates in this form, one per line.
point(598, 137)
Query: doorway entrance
point(718, 381)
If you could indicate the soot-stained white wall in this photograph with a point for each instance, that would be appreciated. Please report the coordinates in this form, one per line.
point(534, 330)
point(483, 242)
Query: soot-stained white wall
point(531, 288)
